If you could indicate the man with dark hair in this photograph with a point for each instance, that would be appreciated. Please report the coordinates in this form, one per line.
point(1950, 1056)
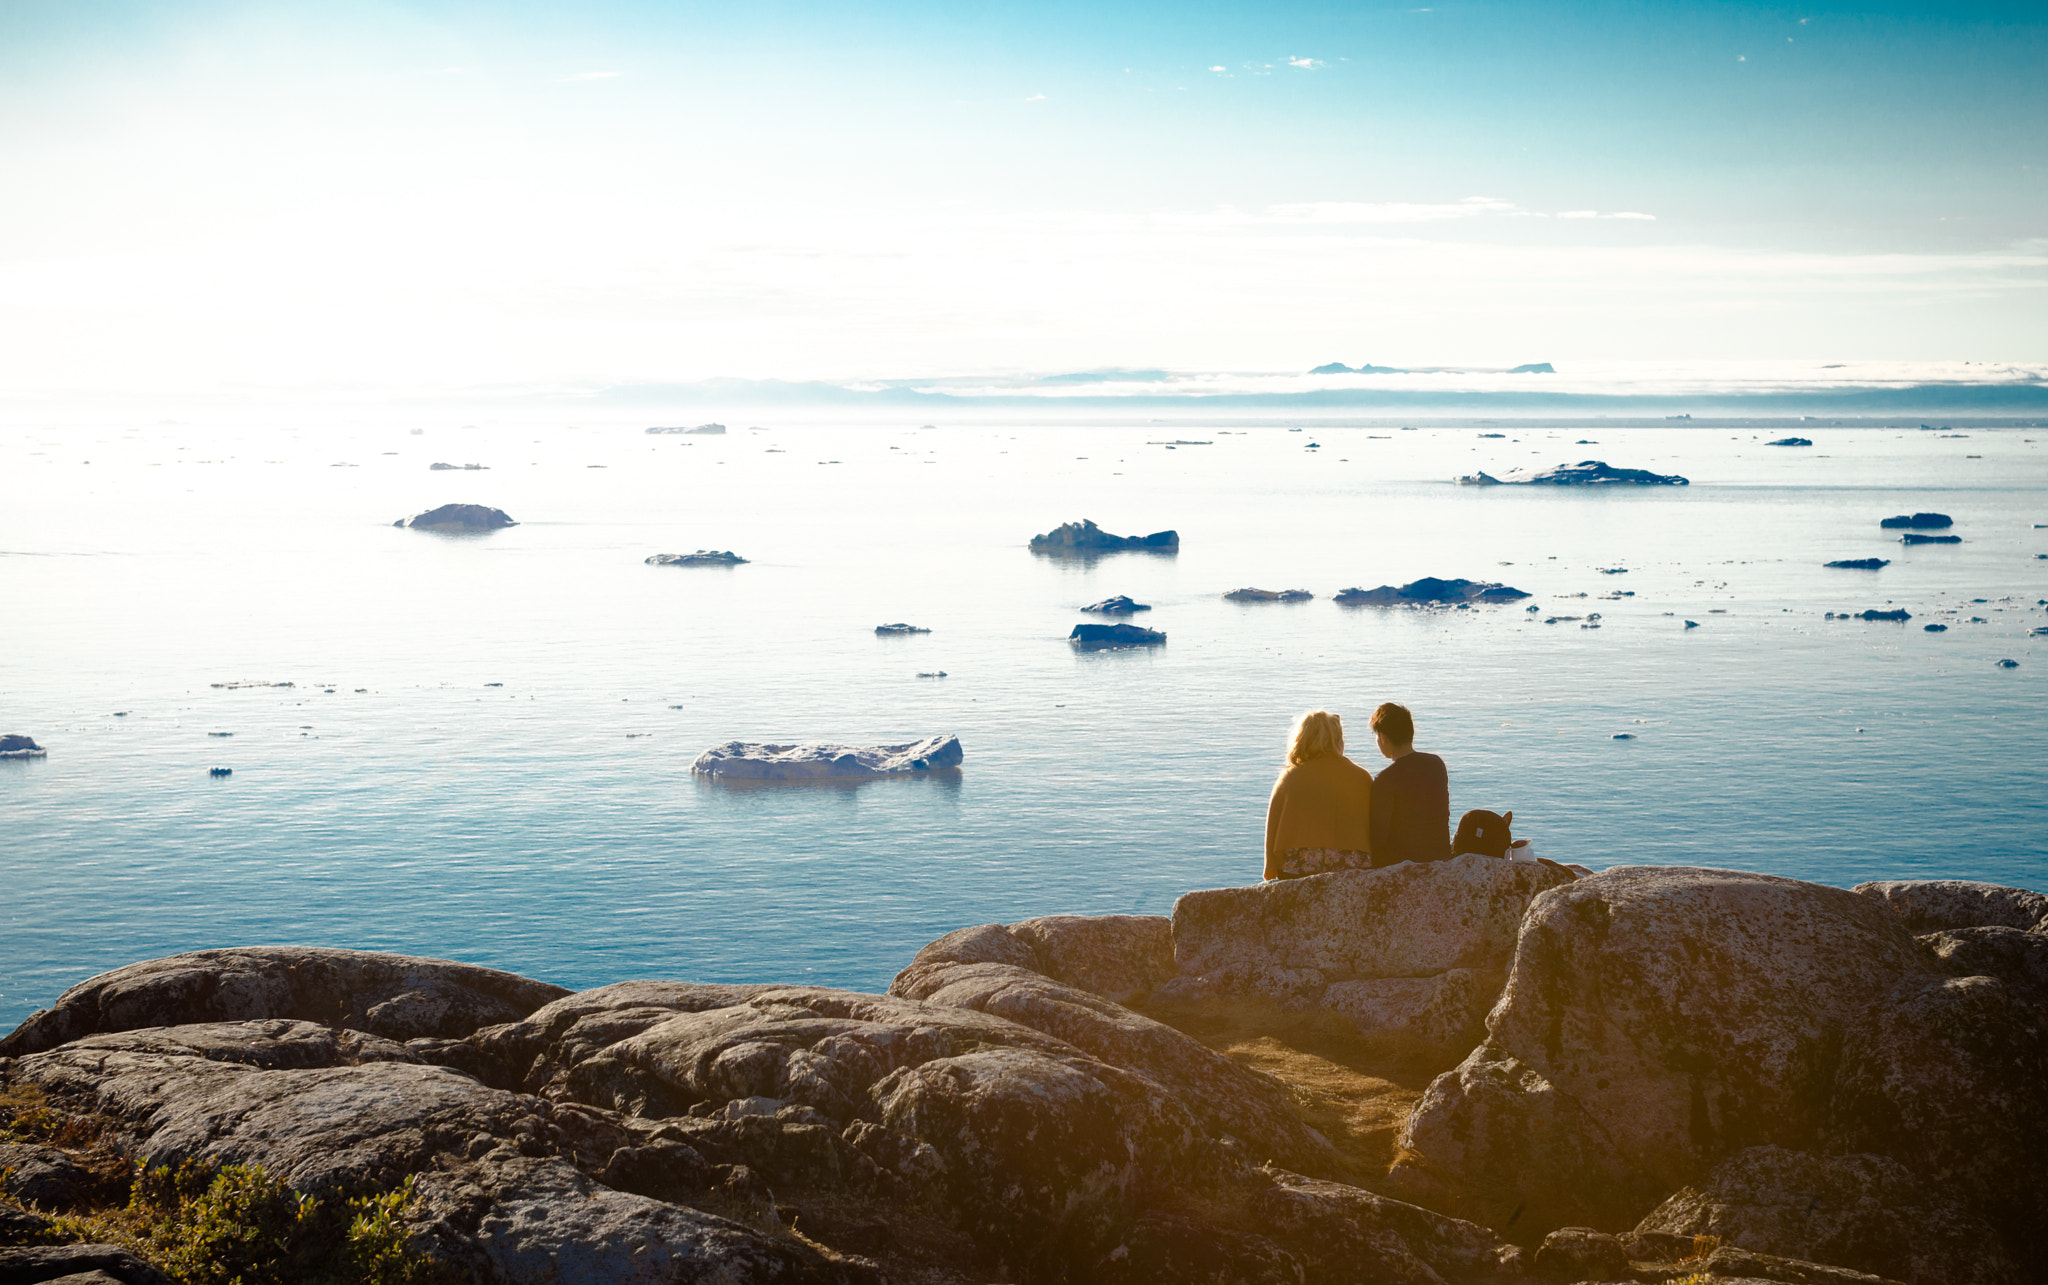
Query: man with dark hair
point(1411, 797)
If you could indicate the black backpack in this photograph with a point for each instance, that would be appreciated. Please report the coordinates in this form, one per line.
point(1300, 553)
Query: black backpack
point(1483, 832)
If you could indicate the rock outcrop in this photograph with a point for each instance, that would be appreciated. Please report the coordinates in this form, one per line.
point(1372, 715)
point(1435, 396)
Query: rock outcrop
point(1918, 522)
point(818, 761)
point(1859, 564)
point(1086, 537)
point(700, 430)
point(1268, 595)
point(900, 628)
point(397, 997)
point(1431, 592)
point(1095, 637)
point(14, 745)
point(701, 558)
point(1584, 473)
point(1918, 537)
point(459, 517)
point(1791, 441)
point(670, 1132)
point(441, 467)
point(1804, 1075)
point(1658, 1022)
point(1121, 605)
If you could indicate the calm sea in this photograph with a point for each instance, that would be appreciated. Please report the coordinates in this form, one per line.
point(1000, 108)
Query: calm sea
point(483, 753)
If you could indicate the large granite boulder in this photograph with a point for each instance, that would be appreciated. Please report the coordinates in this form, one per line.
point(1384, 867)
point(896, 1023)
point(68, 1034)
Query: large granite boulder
point(1085, 537)
point(1657, 1021)
point(1929, 905)
point(458, 517)
point(1227, 1098)
point(1868, 1213)
point(397, 996)
point(751, 761)
point(14, 745)
point(1417, 949)
point(1118, 957)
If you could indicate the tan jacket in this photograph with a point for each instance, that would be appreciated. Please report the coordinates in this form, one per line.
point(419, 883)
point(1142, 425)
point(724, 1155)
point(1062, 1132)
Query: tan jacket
point(1323, 803)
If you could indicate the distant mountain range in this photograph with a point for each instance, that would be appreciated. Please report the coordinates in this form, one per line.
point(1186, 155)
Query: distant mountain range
point(1126, 390)
point(1339, 368)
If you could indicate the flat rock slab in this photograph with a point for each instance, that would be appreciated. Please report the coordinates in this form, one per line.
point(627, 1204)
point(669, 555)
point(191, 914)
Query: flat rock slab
point(1415, 919)
point(1120, 605)
point(753, 761)
point(397, 996)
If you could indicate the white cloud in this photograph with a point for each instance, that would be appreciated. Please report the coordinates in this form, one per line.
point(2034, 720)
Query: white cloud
point(1219, 69)
point(1035, 98)
point(592, 75)
point(1307, 64)
point(1595, 214)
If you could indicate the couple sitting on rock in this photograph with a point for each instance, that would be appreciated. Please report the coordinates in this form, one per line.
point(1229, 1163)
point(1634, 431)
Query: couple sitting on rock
point(1328, 813)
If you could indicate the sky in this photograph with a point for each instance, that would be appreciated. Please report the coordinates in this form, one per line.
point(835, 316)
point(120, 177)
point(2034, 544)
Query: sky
point(361, 196)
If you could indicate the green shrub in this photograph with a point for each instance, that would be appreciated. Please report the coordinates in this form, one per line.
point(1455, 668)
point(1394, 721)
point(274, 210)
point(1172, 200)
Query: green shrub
point(202, 1224)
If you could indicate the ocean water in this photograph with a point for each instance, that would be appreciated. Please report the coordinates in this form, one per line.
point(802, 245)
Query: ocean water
point(484, 752)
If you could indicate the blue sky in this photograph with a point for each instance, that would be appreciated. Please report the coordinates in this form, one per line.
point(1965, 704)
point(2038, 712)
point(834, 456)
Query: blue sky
point(400, 194)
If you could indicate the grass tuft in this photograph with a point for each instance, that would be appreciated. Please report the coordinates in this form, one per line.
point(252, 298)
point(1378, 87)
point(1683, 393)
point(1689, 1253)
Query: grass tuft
point(206, 1224)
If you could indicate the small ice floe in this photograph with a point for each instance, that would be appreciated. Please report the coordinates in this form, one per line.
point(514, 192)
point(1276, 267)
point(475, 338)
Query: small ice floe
point(701, 558)
point(817, 761)
point(1120, 605)
point(1098, 637)
point(458, 517)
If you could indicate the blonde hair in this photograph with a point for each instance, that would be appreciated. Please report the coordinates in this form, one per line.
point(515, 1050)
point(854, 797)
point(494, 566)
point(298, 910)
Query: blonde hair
point(1317, 734)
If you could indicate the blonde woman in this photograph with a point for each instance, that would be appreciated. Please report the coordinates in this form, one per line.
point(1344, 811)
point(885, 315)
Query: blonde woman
point(1321, 814)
